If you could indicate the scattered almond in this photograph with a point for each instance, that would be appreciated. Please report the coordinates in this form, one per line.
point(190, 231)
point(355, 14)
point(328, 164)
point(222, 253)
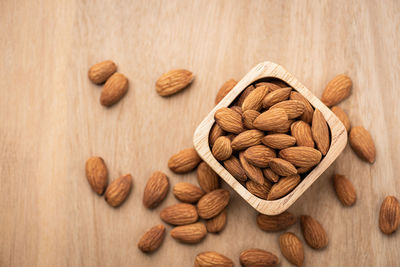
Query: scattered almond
point(308, 109)
point(259, 155)
point(213, 203)
point(254, 100)
point(337, 89)
point(173, 81)
point(247, 139)
point(361, 142)
point(222, 149)
point(301, 156)
point(224, 90)
point(292, 108)
point(282, 167)
point(187, 192)
point(212, 259)
point(114, 89)
point(271, 119)
point(152, 239)
point(248, 117)
point(252, 172)
point(229, 120)
point(270, 175)
point(233, 166)
point(216, 224)
point(184, 161)
point(292, 248)
point(101, 71)
point(258, 258)
point(320, 132)
point(283, 186)
point(118, 190)
point(342, 117)
point(276, 96)
point(313, 232)
point(259, 190)
point(207, 178)
point(275, 223)
point(302, 132)
point(344, 190)
point(278, 141)
point(389, 216)
point(179, 214)
point(97, 174)
point(156, 190)
point(190, 234)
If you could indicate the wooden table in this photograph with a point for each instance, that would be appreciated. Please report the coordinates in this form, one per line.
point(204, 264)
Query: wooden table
point(51, 120)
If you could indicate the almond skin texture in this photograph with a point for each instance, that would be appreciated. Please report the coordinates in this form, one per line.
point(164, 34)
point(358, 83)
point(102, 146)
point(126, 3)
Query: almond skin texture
point(187, 192)
point(301, 156)
point(254, 100)
point(258, 258)
point(156, 190)
point(212, 259)
point(215, 132)
point(213, 203)
point(189, 234)
point(278, 141)
point(173, 81)
point(118, 190)
point(222, 149)
point(282, 167)
point(252, 172)
point(308, 111)
point(152, 239)
point(389, 216)
point(179, 214)
point(97, 174)
point(275, 223)
point(233, 166)
point(292, 248)
point(344, 190)
point(259, 155)
point(101, 71)
point(271, 120)
point(247, 139)
point(361, 142)
point(114, 89)
point(216, 224)
point(237, 109)
point(270, 175)
point(337, 89)
point(224, 90)
point(248, 117)
point(283, 128)
point(302, 132)
point(244, 94)
point(342, 117)
point(259, 190)
point(275, 84)
point(276, 96)
point(229, 120)
point(283, 187)
point(320, 132)
point(313, 232)
point(207, 178)
point(293, 108)
point(184, 161)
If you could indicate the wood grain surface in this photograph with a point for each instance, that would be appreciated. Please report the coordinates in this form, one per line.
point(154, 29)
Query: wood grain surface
point(51, 120)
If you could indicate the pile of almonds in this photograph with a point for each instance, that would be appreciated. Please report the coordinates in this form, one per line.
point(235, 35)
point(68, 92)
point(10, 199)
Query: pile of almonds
point(270, 138)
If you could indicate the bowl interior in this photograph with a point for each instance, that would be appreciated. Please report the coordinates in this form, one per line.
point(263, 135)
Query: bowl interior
point(264, 72)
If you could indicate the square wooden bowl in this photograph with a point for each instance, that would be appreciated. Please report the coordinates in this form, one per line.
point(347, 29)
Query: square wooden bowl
point(267, 70)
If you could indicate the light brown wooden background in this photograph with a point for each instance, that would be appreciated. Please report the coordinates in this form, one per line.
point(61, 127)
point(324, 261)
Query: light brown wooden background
point(51, 120)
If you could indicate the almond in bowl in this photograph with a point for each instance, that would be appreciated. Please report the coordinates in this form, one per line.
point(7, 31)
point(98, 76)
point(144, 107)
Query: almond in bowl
point(281, 137)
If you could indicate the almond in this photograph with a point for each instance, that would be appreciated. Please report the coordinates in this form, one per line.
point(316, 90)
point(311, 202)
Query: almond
point(244, 94)
point(283, 128)
point(190, 234)
point(247, 139)
point(389, 216)
point(275, 84)
point(118, 190)
point(207, 178)
point(156, 190)
point(270, 175)
point(276, 96)
point(308, 110)
point(248, 117)
point(284, 186)
point(313, 232)
point(361, 142)
point(259, 155)
point(101, 71)
point(215, 132)
point(254, 100)
point(337, 89)
point(212, 259)
point(179, 214)
point(184, 161)
point(216, 224)
point(237, 109)
point(233, 166)
point(278, 141)
point(97, 174)
point(253, 173)
point(301, 156)
point(255, 257)
point(342, 116)
point(344, 190)
point(292, 248)
point(212, 204)
point(302, 132)
point(303, 170)
point(259, 190)
point(229, 120)
point(320, 132)
point(222, 149)
point(173, 81)
point(152, 239)
point(282, 167)
point(271, 119)
point(224, 90)
point(293, 108)
point(275, 223)
point(269, 85)
point(187, 192)
point(114, 89)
